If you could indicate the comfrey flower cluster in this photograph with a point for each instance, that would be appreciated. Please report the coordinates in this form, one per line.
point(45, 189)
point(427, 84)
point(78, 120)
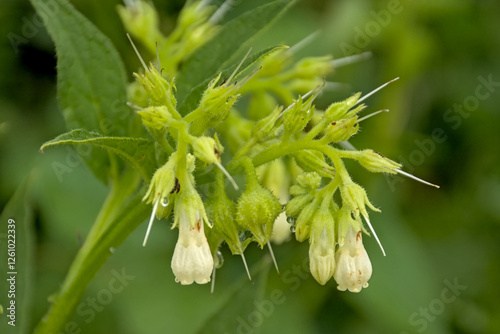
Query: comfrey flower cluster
point(290, 152)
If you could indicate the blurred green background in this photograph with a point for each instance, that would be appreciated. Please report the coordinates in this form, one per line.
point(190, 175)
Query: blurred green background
point(443, 51)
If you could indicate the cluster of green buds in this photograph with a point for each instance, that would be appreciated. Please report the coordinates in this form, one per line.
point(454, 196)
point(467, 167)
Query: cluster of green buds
point(290, 152)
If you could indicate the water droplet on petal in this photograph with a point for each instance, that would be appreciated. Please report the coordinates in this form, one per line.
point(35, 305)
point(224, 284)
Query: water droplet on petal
point(219, 260)
point(164, 201)
point(290, 220)
point(292, 228)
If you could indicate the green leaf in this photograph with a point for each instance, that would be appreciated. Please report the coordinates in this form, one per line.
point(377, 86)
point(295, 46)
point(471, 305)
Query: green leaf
point(210, 58)
point(87, 263)
point(194, 96)
point(139, 152)
point(91, 78)
point(17, 214)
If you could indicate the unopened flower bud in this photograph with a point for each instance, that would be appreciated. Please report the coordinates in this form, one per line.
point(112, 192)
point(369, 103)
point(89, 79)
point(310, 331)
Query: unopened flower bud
point(314, 161)
point(376, 162)
point(296, 117)
point(304, 220)
point(338, 110)
point(141, 20)
point(155, 117)
point(207, 150)
point(341, 130)
point(158, 90)
point(322, 247)
point(267, 126)
point(313, 67)
point(257, 208)
point(355, 198)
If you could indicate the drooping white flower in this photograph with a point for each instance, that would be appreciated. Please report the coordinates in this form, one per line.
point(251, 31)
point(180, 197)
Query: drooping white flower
point(354, 268)
point(192, 260)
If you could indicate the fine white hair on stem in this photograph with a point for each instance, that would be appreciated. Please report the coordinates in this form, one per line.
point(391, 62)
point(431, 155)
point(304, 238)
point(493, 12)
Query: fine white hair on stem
point(371, 115)
point(212, 286)
point(331, 85)
point(351, 59)
point(374, 234)
point(221, 11)
point(229, 177)
point(134, 106)
point(303, 42)
point(239, 65)
point(158, 57)
point(346, 145)
point(246, 266)
point(137, 52)
point(305, 96)
point(416, 178)
point(374, 91)
point(273, 257)
point(153, 214)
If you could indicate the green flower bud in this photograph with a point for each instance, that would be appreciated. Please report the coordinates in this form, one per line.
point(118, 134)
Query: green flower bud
point(221, 212)
point(155, 117)
point(303, 86)
point(295, 118)
point(355, 198)
point(257, 208)
point(341, 130)
point(314, 161)
point(313, 67)
point(304, 220)
point(207, 150)
point(276, 179)
point(297, 204)
point(338, 110)
point(163, 182)
point(309, 181)
point(375, 162)
point(215, 105)
point(267, 126)
point(322, 246)
point(158, 90)
point(141, 20)
point(193, 28)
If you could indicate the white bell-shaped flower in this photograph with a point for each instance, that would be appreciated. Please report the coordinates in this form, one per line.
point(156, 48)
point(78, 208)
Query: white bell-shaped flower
point(354, 268)
point(192, 260)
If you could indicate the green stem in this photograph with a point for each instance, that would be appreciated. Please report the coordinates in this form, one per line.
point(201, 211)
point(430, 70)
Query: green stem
point(108, 231)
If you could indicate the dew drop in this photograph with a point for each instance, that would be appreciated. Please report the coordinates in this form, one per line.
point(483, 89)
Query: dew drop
point(292, 228)
point(290, 220)
point(219, 260)
point(164, 201)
